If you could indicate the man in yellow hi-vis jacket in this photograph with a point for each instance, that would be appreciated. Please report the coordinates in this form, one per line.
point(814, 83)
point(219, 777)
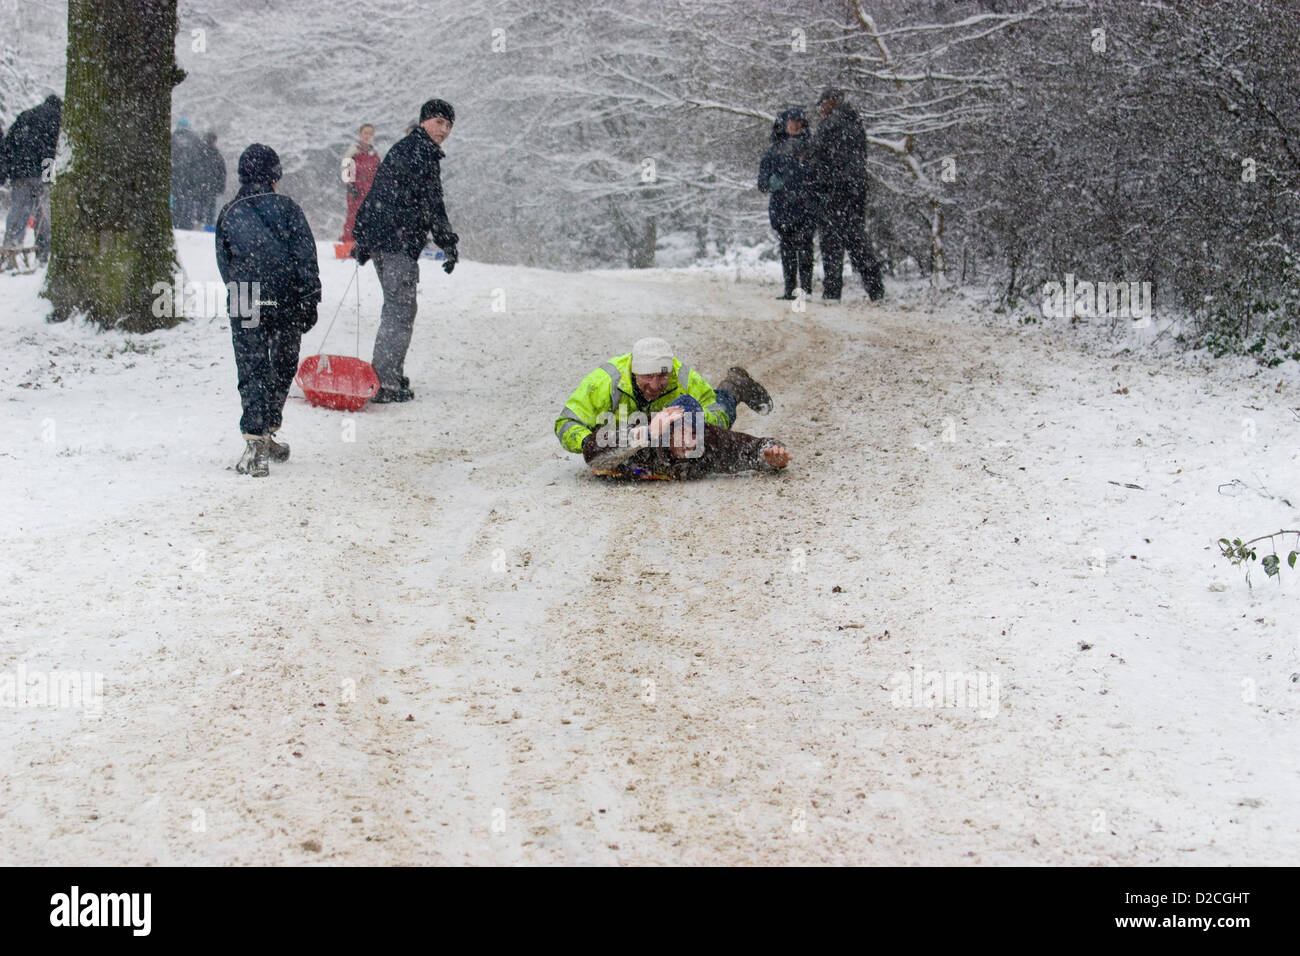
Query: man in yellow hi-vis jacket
point(647, 413)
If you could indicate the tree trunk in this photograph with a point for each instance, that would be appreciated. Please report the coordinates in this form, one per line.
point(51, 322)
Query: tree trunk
point(938, 257)
point(111, 226)
point(641, 253)
point(640, 242)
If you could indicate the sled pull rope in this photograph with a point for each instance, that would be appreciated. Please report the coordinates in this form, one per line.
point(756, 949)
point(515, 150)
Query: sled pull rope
point(339, 308)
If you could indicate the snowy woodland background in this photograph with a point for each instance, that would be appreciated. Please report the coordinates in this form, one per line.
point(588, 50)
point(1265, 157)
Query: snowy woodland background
point(1012, 141)
point(433, 637)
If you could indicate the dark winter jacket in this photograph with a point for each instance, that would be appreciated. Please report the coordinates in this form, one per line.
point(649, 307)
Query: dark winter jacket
point(785, 172)
point(212, 171)
point(32, 139)
point(188, 163)
point(405, 203)
point(264, 237)
point(839, 152)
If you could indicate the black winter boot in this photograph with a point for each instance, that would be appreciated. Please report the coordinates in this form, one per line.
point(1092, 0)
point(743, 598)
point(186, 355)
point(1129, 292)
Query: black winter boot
point(739, 383)
point(386, 395)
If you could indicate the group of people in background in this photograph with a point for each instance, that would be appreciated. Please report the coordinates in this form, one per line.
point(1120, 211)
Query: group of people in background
point(817, 181)
point(394, 205)
point(198, 177)
point(27, 162)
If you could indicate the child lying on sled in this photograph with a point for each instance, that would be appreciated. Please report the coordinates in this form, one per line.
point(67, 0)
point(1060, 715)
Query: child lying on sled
point(678, 443)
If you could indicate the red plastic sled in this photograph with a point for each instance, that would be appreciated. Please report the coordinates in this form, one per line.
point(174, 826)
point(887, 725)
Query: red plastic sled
point(337, 381)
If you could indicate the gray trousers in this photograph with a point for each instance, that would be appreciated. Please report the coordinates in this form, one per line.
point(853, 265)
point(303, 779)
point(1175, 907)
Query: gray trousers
point(398, 275)
point(31, 197)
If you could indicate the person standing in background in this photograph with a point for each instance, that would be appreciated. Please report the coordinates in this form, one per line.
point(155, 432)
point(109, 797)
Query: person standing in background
point(28, 160)
point(784, 174)
point(360, 163)
point(187, 174)
point(839, 154)
point(213, 181)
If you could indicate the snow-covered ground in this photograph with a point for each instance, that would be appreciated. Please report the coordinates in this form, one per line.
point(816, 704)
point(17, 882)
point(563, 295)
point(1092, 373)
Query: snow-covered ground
point(432, 637)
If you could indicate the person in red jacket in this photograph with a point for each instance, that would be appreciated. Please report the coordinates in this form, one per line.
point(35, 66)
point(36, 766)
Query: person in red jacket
point(360, 163)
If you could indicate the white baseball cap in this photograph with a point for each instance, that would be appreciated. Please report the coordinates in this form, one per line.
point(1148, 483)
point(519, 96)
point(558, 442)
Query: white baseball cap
point(651, 357)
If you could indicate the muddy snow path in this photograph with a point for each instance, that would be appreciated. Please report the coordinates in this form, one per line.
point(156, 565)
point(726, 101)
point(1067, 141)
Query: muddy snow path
point(949, 633)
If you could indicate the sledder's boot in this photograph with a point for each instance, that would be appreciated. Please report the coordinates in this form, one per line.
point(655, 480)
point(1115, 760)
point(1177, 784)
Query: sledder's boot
point(386, 395)
point(278, 451)
point(745, 389)
point(255, 460)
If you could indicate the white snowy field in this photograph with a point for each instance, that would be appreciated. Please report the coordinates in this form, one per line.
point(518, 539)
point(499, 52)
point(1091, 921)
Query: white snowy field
point(431, 637)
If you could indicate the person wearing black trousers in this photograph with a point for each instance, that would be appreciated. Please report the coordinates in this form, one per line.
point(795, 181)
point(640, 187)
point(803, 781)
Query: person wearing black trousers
point(404, 206)
point(267, 258)
point(783, 173)
point(839, 158)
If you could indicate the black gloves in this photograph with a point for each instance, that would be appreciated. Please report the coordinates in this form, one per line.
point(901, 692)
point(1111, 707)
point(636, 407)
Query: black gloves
point(307, 318)
point(452, 257)
point(361, 255)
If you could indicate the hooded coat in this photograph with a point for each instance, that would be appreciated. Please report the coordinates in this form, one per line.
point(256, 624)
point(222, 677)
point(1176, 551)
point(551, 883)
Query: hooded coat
point(785, 172)
point(264, 237)
point(32, 139)
point(187, 162)
point(839, 152)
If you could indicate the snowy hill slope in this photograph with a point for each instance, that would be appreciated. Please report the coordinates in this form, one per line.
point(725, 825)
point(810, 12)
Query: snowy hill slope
point(431, 637)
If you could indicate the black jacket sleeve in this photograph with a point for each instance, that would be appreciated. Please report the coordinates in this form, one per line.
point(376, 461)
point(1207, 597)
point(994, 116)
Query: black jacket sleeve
point(223, 250)
point(765, 172)
point(435, 214)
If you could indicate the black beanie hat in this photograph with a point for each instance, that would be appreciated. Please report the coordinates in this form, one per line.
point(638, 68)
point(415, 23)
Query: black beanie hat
point(437, 108)
point(259, 164)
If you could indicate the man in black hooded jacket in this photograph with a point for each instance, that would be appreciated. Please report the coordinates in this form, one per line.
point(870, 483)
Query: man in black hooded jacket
point(27, 159)
point(267, 257)
point(839, 155)
point(402, 208)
